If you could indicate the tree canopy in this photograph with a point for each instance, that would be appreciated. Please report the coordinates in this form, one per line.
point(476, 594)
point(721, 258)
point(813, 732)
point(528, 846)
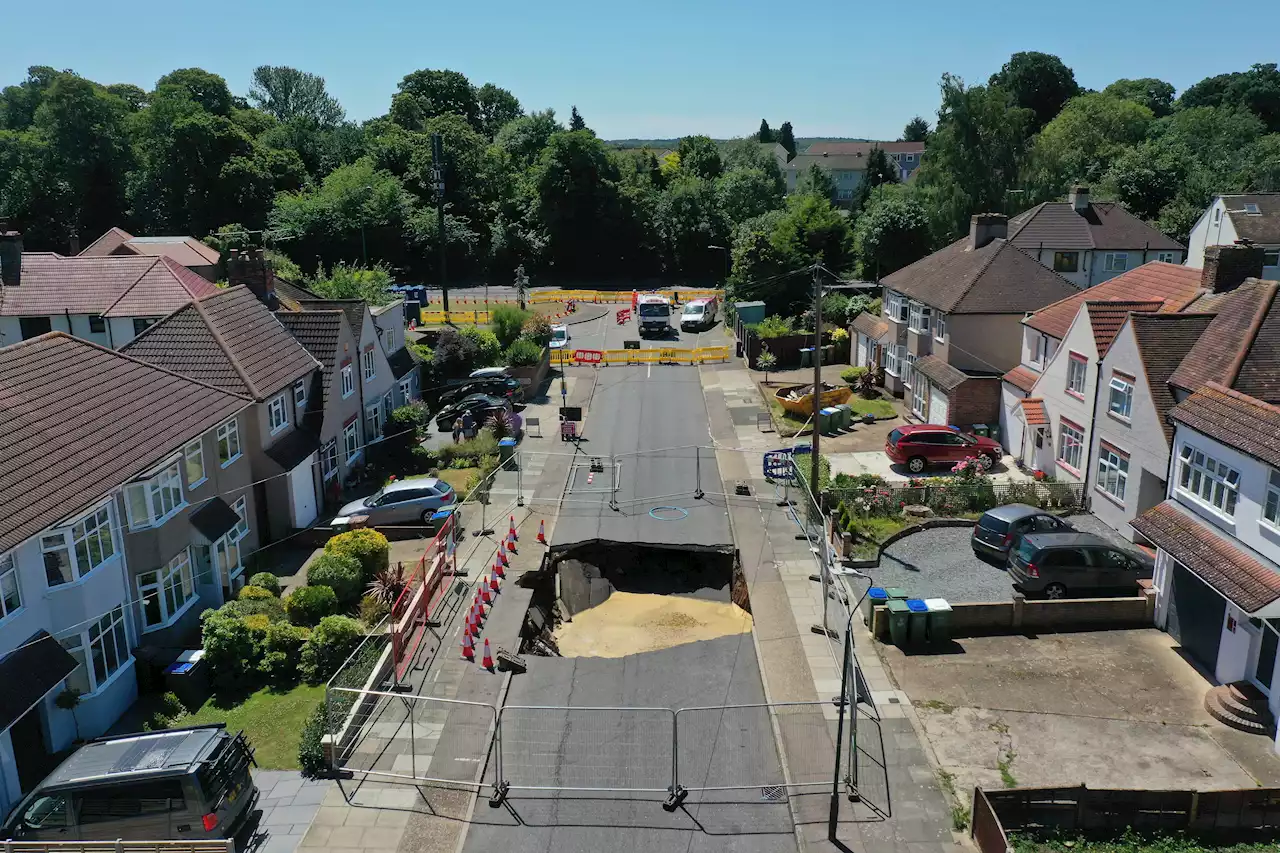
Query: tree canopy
point(1036, 81)
point(288, 94)
point(917, 130)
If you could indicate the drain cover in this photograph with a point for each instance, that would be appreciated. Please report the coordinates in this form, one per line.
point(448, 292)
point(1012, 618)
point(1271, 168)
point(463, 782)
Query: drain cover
point(772, 793)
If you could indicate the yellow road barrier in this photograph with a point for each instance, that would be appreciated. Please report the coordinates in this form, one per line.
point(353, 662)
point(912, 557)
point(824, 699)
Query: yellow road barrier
point(616, 296)
point(664, 355)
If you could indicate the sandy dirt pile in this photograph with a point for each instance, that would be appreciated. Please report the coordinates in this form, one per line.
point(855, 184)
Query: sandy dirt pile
point(628, 623)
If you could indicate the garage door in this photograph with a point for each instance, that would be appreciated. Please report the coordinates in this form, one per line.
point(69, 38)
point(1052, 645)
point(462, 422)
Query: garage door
point(862, 351)
point(1195, 617)
point(937, 406)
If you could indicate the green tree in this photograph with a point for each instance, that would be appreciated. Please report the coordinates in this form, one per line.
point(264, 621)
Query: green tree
point(290, 94)
point(201, 87)
point(524, 138)
point(1145, 178)
point(892, 232)
point(425, 94)
point(747, 192)
point(880, 170)
point(1039, 82)
point(765, 133)
point(134, 97)
point(917, 130)
point(1256, 90)
point(787, 139)
point(351, 282)
point(578, 203)
point(497, 108)
point(1262, 174)
point(575, 119)
point(699, 157)
point(690, 220)
point(772, 253)
point(817, 181)
point(1084, 140)
point(18, 104)
point(1155, 95)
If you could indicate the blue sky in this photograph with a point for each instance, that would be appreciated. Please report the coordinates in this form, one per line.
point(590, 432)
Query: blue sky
point(653, 69)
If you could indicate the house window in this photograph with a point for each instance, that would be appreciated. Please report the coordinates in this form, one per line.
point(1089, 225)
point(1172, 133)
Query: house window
point(366, 360)
point(1077, 366)
point(152, 502)
point(940, 327)
point(921, 318)
point(918, 394)
point(908, 363)
point(165, 592)
point(1070, 444)
point(1115, 261)
point(141, 324)
point(1270, 511)
point(226, 559)
point(10, 592)
point(1271, 258)
point(1113, 471)
point(1217, 215)
point(101, 651)
point(278, 413)
point(373, 417)
point(74, 551)
point(1252, 209)
point(348, 381)
point(97, 324)
point(897, 307)
point(241, 530)
point(300, 394)
point(193, 461)
point(1167, 257)
point(351, 441)
point(228, 443)
point(910, 158)
point(406, 389)
point(1037, 348)
point(329, 459)
point(1120, 403)
point(1066, 261)
point(1208, 481)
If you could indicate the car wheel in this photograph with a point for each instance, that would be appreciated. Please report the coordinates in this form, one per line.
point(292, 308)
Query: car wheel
point(916, 464)
point(426, 515)
point(986, 463)
point(1055, 591)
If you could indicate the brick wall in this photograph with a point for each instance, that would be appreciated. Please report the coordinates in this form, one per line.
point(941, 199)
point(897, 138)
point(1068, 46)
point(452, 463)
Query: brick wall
point(1226, 267)
point(976, 401)
point(1022, 616)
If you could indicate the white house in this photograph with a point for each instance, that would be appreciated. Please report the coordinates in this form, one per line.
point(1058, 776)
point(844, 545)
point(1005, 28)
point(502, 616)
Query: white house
point(1254, 217)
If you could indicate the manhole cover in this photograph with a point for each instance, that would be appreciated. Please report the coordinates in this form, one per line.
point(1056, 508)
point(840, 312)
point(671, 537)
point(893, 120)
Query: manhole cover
point(772, 793)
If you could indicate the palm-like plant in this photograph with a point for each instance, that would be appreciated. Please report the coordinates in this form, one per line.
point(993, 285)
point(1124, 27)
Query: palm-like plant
point(388, 584)
point(501, 424)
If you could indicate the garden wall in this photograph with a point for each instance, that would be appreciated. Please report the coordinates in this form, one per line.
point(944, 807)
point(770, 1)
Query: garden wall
point(533, 377)
point(785, 348)
point(1021, 616)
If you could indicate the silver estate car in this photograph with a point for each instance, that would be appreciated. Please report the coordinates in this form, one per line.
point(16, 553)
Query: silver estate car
point(404, 502)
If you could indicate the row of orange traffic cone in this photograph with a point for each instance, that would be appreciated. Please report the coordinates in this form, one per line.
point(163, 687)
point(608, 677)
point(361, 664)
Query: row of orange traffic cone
point(489, 589)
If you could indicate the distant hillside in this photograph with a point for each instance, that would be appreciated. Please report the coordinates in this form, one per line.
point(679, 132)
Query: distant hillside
point(802, 142)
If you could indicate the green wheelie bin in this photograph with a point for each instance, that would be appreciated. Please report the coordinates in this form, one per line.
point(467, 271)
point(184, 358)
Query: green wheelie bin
point(898, 622)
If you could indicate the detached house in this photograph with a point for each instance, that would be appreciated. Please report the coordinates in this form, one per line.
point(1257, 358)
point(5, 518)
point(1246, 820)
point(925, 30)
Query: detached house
point(1088, 242)
point(188, 251)
point(1251, 217)
point(951, 324)
point(125, 507)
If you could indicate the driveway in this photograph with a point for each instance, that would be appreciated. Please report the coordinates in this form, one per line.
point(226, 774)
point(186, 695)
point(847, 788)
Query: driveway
point(876, 462)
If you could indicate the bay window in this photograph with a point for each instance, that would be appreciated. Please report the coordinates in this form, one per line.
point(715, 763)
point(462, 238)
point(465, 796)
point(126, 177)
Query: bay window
point(165, 593)
point(921, 318)
point(72, 552)
point(891, 360)
point(101, 650)
point(153, 501)
point(1208, 481)
point(940, 327)
point(193, 459)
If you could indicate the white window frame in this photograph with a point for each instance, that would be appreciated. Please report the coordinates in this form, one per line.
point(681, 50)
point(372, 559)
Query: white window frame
point(348, 381)
point(1167, 257)
point(277, 413)
point(1121, 386)
point(406, 389)
point(174, 588)
point(351, 441)
point(1115, 261)
point(908, 369)
point(228, 441)
point(1271, 505)
point(227, 560)
point(329, 459)
point(1039, 346)
point(1113, 471)
point(300, 394)
point(373, 421)
point(158, 498)
point(1205, 480)
point(891, 360)
point(1070, 444)
point(193, 457)
point(369, 364)
point(1076, 361)
point(241, 530)
point(10, 587)
point(920, 318)
point(940, 327)
point(109, 634)
point(76, 540)
point(910, 158)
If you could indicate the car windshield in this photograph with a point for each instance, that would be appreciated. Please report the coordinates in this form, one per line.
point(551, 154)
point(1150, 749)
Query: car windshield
point(995, 525)
point(693, 309)
point(967, 439)
point(373, 498)
point(559, 334)
point(655, 310)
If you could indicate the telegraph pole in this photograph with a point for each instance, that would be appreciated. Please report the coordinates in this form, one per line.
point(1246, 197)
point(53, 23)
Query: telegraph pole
point(814, 459)
point(437, 172)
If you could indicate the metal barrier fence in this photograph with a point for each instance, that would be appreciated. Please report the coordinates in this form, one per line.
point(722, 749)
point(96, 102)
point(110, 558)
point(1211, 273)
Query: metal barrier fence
point(618, 296)
point(415, 607)
point(735, 747)
point(657, 355)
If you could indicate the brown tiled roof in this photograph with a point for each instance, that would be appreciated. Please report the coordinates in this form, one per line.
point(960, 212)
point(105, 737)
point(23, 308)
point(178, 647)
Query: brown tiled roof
point(1022, 377)
point(1107, 318)
point(1033, 412)
point(1262, 227)
point(229, 340)
point(940, 373)
point(1243, 422)
point(353, 308)
point(1172, 285)
point(1242, 578)
point(1163, 341)
point(116, 286)
point(1241, 347)
point(82, 420)
point(106, 244)
point(320, 332)
point(870, 325)
point(288, 292)
point(1103, 225)
point(995, 279)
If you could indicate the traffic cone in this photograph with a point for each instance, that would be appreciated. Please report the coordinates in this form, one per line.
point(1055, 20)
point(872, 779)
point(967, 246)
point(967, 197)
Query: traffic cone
point(502, 558)
point(475, 625)
point(480, 612)
point(468, 647)
point(484, 594)
point(542, 532)
point(511, 528)
point(511, 544)
point(493, 583)
point(487, 660)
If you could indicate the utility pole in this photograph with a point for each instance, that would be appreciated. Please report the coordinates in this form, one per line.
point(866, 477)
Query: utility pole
point(437, 173)
point(814, 459)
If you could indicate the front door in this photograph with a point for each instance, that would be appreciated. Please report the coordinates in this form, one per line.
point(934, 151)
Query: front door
point(1265, 665)
point(27, 737)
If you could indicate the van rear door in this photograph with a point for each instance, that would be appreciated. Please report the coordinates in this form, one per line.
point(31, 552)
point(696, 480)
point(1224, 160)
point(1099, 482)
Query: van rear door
point(226, 789)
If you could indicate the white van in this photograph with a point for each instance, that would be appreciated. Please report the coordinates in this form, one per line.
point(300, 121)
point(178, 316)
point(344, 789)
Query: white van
point(699, 314)
point(655, 315)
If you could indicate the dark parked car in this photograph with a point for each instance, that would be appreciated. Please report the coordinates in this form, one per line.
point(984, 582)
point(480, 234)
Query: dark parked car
point(494, 387)
point(920, 445)
point(1058, 565)
point(1001, 529)
point(479, 405)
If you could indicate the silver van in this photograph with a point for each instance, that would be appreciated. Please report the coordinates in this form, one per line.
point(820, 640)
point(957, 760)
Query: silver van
point(179, 784)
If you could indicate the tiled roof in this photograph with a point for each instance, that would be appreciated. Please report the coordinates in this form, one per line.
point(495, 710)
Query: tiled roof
point(353, 308)
point(1107, 318)
point(1242, 578)
point(1243, 422)
point(229, 340)
point(1022, 377)
point(82, 420)
point(106, 244)
point(995, 279)
point(1103, 225)
point(1163, 342)
point(116, 286)
point(288, 292)
point(1262, 227)
point(1241, 347)
point(402, 361)
point(1172, 285)
point(940, 373)
point(320, 332)
point(1033, 412)
point(870, 325)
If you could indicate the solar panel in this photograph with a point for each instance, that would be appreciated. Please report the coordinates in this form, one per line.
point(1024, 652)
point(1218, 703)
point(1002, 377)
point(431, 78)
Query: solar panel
point(148, 753)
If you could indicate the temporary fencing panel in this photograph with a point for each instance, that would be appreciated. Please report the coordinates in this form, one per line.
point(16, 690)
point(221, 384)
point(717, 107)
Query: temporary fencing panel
point(736, 747)
point(418, 602)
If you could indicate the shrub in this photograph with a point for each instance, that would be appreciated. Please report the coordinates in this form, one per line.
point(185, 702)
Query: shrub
point(255, 593)
point(538, 329)
point(167, 715)
point(453, 354)
point(488, 350)
point(331, 642)
point(264, 580)
point(311, 744)
point(270, 607)
point(282, 649)
point(387, 585)
point(367, 547)
point(852, 375)
point(307, 605)
point(523, 353)
point(501, 424)
point(471, 450)
point(508, 321)
point(340, 573)
point(775, 327)
point(229, 649)
point(373, 610)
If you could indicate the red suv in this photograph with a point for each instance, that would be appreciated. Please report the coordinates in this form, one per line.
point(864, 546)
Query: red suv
point(919, 445)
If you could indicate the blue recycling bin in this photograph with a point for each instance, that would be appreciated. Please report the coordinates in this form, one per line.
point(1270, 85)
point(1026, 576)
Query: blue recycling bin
point(876, 596)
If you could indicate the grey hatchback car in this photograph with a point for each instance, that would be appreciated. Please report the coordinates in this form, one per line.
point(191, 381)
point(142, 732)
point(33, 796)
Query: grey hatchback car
point(404, 502)
point(1001, 529)
point(1061, 565)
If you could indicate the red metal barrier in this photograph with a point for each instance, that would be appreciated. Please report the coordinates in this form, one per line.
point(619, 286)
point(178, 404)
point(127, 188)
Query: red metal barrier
point(624, 314)
point(418, 603)
point(588, 356)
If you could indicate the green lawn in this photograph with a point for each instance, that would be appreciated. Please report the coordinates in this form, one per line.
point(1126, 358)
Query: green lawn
point(271, 720)
point(457, 477)
point(878, 407)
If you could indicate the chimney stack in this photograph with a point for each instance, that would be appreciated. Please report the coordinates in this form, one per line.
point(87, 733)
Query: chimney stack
point(250, 268)
point(985, 227)
point(1226, 267)
point(10, 256)
point(1079, 198)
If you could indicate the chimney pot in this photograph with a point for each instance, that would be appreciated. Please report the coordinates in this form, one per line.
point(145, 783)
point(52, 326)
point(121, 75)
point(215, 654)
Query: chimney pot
point(1079, 198)
point(252, 270)
point(985, 227)
point(1227, 267)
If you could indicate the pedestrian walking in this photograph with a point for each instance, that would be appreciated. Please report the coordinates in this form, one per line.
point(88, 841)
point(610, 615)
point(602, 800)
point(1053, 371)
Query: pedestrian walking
point(468, 426)
point(457, 429)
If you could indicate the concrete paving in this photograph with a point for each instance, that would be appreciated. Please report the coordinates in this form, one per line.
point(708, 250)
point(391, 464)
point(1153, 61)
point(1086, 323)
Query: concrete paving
point(289, 803)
